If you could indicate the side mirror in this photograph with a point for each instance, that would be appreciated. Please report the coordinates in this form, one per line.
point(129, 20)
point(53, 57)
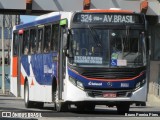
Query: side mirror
point(64, 40)
point(63, 24)
point(65, 43)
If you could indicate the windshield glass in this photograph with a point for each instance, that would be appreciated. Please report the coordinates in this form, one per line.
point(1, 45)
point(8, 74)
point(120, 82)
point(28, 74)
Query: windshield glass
point(106, 48)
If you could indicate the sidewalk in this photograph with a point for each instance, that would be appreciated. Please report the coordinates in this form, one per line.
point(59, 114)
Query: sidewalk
point(7, 93)
point(153, 100)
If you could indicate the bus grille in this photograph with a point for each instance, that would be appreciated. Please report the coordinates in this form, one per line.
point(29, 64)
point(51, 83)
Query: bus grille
point(120, 74)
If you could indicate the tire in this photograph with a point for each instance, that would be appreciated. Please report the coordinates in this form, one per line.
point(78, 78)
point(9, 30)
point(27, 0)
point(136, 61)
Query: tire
point(61, 106)
point(143, 104)
point(28, 104)
point(138, 104)
point(38, 104)
point(81, 107)
point(123, 108)
point(90, 107)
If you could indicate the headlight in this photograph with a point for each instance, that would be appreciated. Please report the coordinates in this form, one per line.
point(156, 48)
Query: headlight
point(80, 85)
point(140, 84)
point(76, 83)
point(72, 80)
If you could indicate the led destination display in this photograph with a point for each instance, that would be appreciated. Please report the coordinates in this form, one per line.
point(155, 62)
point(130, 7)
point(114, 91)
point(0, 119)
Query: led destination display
point(107, 18)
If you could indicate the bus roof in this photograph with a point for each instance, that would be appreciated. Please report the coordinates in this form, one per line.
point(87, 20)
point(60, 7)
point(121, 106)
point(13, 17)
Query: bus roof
point(107, 11)
point(55, 16)
point(51, 17)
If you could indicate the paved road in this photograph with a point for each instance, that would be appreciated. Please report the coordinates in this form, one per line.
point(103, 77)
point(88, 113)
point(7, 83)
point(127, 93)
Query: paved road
point(15, 107)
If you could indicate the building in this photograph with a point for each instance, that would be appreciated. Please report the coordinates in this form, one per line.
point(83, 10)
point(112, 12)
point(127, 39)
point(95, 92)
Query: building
point(9, 22)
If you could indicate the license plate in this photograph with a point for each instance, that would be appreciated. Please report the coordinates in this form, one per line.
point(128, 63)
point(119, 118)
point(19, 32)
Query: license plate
point(109, 95)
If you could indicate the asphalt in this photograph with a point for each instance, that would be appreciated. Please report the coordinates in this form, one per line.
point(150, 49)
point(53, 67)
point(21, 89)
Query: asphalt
point(152, 100)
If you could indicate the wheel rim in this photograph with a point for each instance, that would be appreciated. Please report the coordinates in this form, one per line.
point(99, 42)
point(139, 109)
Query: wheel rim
point(26, 93)
point(57, 106)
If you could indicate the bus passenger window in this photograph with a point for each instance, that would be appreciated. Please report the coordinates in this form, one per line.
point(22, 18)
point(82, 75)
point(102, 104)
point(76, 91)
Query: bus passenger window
point(26, 42)
point(26, 50)
point(54, 40)
point(40, 39)
point(15, 44)
point(47, 38)
point(33, 41)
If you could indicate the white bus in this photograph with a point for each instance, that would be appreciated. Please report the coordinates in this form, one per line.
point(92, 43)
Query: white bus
point(85, 58)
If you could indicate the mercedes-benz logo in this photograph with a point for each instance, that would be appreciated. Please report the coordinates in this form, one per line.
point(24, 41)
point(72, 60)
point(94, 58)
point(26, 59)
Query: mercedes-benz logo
point(109, 84)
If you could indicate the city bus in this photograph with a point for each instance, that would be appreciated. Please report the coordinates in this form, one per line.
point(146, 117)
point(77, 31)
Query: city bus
point(84, 58)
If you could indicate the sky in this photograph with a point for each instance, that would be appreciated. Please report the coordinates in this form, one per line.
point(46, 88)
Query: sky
point(27, 18)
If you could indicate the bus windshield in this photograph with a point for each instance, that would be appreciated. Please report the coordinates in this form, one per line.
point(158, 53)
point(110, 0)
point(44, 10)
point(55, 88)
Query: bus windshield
point(102, 47)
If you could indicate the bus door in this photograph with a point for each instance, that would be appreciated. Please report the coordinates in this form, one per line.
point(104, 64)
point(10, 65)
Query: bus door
point(62, 58)
point(16, 60)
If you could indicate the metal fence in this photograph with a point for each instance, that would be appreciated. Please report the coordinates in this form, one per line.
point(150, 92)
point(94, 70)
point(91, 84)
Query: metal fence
point(7, 81)
point(7, 77)
point(155, 89)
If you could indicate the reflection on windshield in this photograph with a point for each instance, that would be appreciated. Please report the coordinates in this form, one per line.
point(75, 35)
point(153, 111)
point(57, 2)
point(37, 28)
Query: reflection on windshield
point(85, 49)
point(126, 50)
point(104, 47)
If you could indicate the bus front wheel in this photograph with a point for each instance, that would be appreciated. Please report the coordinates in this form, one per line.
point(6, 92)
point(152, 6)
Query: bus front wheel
point(81, 107)
point(123, 108)
point(60, 106)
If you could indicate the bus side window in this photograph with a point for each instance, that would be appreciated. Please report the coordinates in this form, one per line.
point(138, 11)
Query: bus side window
point(54, 40)
point(47, 38)
point(40, 39)
point(15, 44)
point(33, 40)
point(26, 43)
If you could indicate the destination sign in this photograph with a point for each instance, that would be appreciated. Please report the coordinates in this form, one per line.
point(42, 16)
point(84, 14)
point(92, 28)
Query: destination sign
point(88, 59)
point(107, 18)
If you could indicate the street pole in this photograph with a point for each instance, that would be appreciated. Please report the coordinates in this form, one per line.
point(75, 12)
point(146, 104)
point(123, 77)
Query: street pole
point(3, 58)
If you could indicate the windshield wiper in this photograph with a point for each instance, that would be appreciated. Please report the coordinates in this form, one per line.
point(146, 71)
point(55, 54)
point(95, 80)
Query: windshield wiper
point(122, 46)
point(127, 39)
point(97, 41)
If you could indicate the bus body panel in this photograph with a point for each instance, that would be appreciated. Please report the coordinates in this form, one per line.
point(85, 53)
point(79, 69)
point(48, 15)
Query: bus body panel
point(13, 80)
point(39, 71)
point(13, 86)
point(14, 68)
point(14, 74)
point(75, 94)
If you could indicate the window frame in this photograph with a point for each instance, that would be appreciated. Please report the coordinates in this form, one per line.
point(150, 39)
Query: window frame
point(26, 42)
point(15, 43)
point(53, 42)
point(31, 41)
point(44, 38)
point(41, 46)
